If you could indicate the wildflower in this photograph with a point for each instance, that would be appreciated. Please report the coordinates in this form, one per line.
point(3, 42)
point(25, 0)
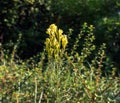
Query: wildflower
point(60, 32)
point(64, 41)
point(53, 28)
point(56, 41)
point(48, 31)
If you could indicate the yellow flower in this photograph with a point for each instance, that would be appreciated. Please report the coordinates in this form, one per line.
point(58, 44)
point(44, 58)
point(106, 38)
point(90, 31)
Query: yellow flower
point(64, 41)
point(57, 46)
point(53, 28)
point(55, 41)
point(60, 32)
point(47, 41)
point(48, 31)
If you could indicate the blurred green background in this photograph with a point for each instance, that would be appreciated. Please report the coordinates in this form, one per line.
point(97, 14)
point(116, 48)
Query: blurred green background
point(31, 18)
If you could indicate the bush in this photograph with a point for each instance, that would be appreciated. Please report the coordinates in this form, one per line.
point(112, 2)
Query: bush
point(25, 17)
point(108, 32)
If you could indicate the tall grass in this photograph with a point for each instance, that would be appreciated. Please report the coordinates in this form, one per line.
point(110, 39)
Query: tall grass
point(59, 76)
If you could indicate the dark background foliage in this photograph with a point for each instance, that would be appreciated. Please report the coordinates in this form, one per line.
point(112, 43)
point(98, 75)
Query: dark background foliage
point(32, 17)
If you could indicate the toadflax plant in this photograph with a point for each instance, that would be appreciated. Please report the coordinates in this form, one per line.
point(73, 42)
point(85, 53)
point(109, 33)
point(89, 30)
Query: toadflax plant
point(56, 43)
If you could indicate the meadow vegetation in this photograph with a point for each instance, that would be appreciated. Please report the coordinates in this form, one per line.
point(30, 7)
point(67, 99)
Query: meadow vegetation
point(59, 74)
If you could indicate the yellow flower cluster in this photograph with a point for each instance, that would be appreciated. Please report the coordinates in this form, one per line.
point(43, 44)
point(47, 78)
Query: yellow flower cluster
point(56, 43)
